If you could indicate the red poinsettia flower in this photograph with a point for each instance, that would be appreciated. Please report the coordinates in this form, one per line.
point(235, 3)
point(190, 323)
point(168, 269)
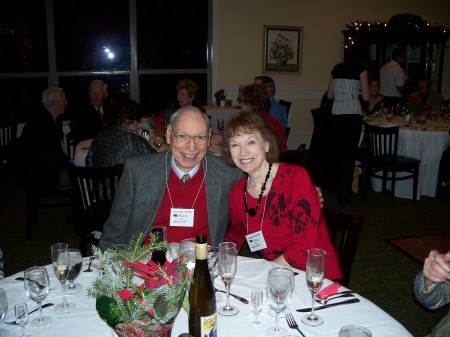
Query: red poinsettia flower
point(125, 294)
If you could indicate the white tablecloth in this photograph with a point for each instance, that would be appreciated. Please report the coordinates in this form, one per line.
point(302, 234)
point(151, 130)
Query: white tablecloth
point(426, 145)
point(225, 112)
point(251, 274)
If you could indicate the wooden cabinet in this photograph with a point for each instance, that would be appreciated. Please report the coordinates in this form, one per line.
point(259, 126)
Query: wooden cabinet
point(424, 42)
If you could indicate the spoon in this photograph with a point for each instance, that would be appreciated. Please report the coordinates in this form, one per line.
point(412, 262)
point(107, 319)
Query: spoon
point(332, 298)
point(88, 270)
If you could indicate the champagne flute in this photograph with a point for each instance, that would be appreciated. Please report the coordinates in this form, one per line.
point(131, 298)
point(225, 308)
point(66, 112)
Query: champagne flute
point(3, 310)
point(227, 269)
point(76, 262)
point(61, 263)
point(22, 318)
point(213, 265)
point(220, 125)
point(257, 304)
point(315, 271)
point(278, 293)
point(37, 285)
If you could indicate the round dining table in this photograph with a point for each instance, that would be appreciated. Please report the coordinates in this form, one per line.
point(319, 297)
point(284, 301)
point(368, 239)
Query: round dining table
point(251, 275)
point(424, 142)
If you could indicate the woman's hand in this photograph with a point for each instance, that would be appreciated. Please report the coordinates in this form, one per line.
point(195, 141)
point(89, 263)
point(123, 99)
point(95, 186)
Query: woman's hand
point(436, 268)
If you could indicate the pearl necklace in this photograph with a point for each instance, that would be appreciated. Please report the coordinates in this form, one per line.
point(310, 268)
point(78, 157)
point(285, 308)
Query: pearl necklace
point(252, 211)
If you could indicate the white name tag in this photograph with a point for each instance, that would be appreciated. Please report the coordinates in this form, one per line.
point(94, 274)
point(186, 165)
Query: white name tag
point(182, 217)
point(256, 241)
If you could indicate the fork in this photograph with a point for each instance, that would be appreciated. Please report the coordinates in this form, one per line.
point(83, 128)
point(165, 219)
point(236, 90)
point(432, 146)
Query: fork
point(292, 323)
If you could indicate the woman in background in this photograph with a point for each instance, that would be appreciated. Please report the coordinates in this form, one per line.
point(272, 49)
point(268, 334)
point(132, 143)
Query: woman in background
point(375, 99)
point(347, 80)
point(115, 143)
point(186, 91)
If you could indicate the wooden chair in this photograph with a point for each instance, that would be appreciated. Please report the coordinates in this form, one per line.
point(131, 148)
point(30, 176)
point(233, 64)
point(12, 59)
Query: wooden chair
point(294, 156)
point(287, 107)
point(344, 231)
point(382, 143)
point(94, 190)
point(7, 136)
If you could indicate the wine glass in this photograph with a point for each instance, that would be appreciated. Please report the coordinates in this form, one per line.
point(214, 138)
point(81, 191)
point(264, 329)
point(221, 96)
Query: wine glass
point(37, 285)
point(186, 248)
point(227, 269)
point(76, 262)
point(3, 310)
point(220, 125)
point(213, 265)
point(61, 263)
point(283, 271)
point(278, 293)
point(257, 304)
point(22, 318)
point(315, 271)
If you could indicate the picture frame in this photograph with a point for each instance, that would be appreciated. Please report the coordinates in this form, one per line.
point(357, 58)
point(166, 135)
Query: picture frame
point(282, 49)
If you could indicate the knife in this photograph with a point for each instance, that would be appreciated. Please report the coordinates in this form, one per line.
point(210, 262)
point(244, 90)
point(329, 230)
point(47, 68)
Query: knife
point(243, 300)
point(353, 300)
point(43, 306)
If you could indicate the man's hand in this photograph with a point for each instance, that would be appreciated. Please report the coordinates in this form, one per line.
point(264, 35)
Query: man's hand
point(436, 267)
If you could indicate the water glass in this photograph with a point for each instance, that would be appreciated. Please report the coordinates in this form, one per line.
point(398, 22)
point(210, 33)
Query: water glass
point(186, 248)
point(3, 310)
point(283, 271)
point(354, 331)
point(37, 286)
point(213, 265)
point(22, 318)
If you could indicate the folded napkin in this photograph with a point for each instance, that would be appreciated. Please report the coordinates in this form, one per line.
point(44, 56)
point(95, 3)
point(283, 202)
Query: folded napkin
point(328, 291)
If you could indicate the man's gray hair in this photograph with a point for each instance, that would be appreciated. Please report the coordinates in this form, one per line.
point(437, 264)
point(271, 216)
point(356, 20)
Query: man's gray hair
point(267, 82)
point(51, 96)
point(99, 83)
point(173, 118)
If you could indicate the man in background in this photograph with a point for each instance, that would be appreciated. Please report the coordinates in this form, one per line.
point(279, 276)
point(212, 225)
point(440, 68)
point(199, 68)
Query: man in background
point(424, 100)
point(276, 109)
point(392, 79)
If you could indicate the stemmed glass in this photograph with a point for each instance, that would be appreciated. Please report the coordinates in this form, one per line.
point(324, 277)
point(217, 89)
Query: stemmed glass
point(61, 263)
point(76, 262)
point(283, 271)
point(257, 304)
point(37, 286)
point(22, 318)
point(227, 269)
point(278, 293)
point(315, 271)
point(220, 125)
point(3, 310)
point(186, 248)
point(213, 265)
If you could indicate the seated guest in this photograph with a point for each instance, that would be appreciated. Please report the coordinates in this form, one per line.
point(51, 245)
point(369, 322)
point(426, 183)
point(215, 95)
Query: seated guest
point(117, 142)
point(432, 288)
point(185, 180)
point(274, 203)
point(254, 98)
point(42, 145)
point(373, 103)
point(92, 117)
point(186, 91)
point(423, 100)
point(276, 109)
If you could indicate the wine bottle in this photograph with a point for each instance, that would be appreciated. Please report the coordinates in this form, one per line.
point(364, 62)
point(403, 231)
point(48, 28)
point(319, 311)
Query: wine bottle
point(202, 298)
point(159, 256)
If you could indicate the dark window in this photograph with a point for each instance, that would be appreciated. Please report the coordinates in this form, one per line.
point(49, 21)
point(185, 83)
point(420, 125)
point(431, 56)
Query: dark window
point(172, 34)
point(92, 35)
point(23, 36)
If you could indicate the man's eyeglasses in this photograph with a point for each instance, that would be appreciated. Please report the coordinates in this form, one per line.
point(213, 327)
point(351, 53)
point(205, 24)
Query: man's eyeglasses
point(185, 139)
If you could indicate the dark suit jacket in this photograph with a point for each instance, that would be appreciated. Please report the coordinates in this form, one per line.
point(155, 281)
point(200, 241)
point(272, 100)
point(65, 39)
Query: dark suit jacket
point(43, 153)
point(86, 122)
point(141, 189)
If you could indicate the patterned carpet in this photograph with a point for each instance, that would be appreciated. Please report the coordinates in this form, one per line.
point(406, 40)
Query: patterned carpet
point(381, 272)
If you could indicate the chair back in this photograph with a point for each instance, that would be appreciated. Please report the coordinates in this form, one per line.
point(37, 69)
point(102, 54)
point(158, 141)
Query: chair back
point(286, 105)
point(382, 143)
point(344, 231)
point(94, 190)
point(293, 156)
point(7, 136)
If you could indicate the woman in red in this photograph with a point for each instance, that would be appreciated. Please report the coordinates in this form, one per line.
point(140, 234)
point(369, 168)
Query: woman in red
point(275, 206)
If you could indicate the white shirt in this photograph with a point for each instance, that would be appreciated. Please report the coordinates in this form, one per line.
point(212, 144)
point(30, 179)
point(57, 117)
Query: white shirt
point(391, 76)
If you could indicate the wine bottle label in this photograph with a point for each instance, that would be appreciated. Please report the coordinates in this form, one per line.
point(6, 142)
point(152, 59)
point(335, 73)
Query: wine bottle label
point(208, 325)
point(201, 251)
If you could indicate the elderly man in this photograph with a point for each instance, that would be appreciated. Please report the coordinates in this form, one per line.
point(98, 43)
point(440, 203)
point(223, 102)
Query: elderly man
point(184, 189)
point(423, 100)
point(92, 117)
point(276, 109)
point(42, 144)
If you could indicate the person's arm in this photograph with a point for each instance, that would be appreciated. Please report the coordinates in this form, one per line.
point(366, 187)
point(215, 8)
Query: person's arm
point(436, 268)
point(363, 78)
point(330, 91)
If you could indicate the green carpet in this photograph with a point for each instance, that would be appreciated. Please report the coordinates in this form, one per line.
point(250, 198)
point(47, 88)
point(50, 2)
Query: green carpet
point(380, 273)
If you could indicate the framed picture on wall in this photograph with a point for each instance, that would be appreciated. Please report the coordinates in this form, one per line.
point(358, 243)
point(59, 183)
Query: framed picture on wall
point(282, 49)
